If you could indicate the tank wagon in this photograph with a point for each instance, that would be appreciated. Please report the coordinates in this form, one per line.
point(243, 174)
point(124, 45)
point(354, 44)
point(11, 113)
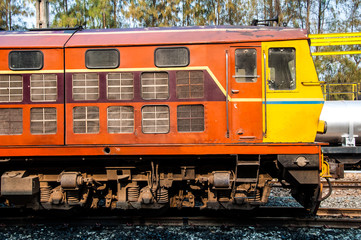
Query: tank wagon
point(164, 117)
point(343, 121)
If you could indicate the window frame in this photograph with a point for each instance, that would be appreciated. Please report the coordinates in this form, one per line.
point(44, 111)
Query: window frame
point(166, 66)
point(22, 69)
point(102, 67)
point(237, 77)
point(296, 86)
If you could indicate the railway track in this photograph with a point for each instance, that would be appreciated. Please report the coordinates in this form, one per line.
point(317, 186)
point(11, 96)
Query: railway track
point(264, 216)
point(335, 184)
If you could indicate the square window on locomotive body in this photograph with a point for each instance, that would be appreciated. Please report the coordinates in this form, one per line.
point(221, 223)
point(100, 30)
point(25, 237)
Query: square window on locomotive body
point(86, 119)
point(26, 60)
point(171, 57)
point(11, 121)
point(155, 119)
point(154, 85)
point(190, 118)
point(190, 84)
point(85, 86)
point(11, 88)
point(43, 121)
point(282, 65)
point(102, 58)
point(246, 65)
point(120, 119)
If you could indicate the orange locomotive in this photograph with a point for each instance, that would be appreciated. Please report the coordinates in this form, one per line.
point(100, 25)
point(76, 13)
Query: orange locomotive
point(148, 118)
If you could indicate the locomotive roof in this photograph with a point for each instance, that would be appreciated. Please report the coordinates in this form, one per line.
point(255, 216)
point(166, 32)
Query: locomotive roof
point(146, 36)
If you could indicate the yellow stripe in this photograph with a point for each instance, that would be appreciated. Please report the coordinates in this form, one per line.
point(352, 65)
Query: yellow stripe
point(335, 53)
point(326, 35)
point(275, 99)
point(246, 100)
point(294, 99)
point(338, 43)
point(335, 40)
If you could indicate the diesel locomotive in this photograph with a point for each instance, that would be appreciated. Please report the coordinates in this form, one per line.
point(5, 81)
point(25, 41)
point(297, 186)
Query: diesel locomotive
point(196, 117)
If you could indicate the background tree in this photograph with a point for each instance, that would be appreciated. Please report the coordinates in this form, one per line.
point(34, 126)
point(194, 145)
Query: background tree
point(12, 13)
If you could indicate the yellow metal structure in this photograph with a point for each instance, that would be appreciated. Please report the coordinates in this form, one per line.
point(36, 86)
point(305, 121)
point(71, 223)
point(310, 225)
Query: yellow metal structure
point(321, 127)
point(335, 39)
point(302, 105)
point(325, 172)
point(349, 90)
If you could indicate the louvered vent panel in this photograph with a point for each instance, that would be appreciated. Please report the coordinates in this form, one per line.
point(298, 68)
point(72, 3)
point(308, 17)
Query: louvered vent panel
point(86, 119)
point(190, 84)
point(155, 119)
point(43, 121)
point(120, 86)
point(190, 118)
point(154, 86)
point(11, 121)
point(85, 86)
point(11, 88)
point(43, 87)
point(120, 119)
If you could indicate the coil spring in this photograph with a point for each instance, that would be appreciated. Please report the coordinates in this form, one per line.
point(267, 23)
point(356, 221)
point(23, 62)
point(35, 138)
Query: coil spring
point(255, 196)
point(45, 192)
point(162, 196)
point(72, 197)
point(133, 194)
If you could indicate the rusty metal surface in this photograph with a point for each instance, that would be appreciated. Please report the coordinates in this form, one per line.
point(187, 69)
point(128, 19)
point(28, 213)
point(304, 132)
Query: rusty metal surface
point(193, 35)
point(147, 36)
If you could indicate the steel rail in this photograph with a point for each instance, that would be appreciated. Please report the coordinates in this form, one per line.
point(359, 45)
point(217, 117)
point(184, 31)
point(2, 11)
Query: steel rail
point(264, 216)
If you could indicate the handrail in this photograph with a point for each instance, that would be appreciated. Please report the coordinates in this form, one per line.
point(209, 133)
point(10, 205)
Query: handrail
point(335, 39)
point(227, 88)
point(353, 93)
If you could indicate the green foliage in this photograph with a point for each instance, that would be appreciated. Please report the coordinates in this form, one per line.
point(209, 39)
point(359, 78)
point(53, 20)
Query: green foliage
point(12, 12)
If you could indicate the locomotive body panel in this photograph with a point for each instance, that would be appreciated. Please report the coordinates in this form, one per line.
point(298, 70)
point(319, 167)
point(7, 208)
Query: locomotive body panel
point(147, 118)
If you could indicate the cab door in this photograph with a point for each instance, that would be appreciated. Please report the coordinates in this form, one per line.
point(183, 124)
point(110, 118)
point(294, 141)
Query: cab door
point(245, 93)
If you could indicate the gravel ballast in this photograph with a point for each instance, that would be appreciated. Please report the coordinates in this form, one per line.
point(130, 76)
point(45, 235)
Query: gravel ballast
point(188, 233)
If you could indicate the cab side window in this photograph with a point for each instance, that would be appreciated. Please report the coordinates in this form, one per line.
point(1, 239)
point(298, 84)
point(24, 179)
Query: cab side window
point(246, 65)
point(282, 64)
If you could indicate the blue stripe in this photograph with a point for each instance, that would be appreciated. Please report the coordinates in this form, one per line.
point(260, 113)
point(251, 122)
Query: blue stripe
point(294, 102)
